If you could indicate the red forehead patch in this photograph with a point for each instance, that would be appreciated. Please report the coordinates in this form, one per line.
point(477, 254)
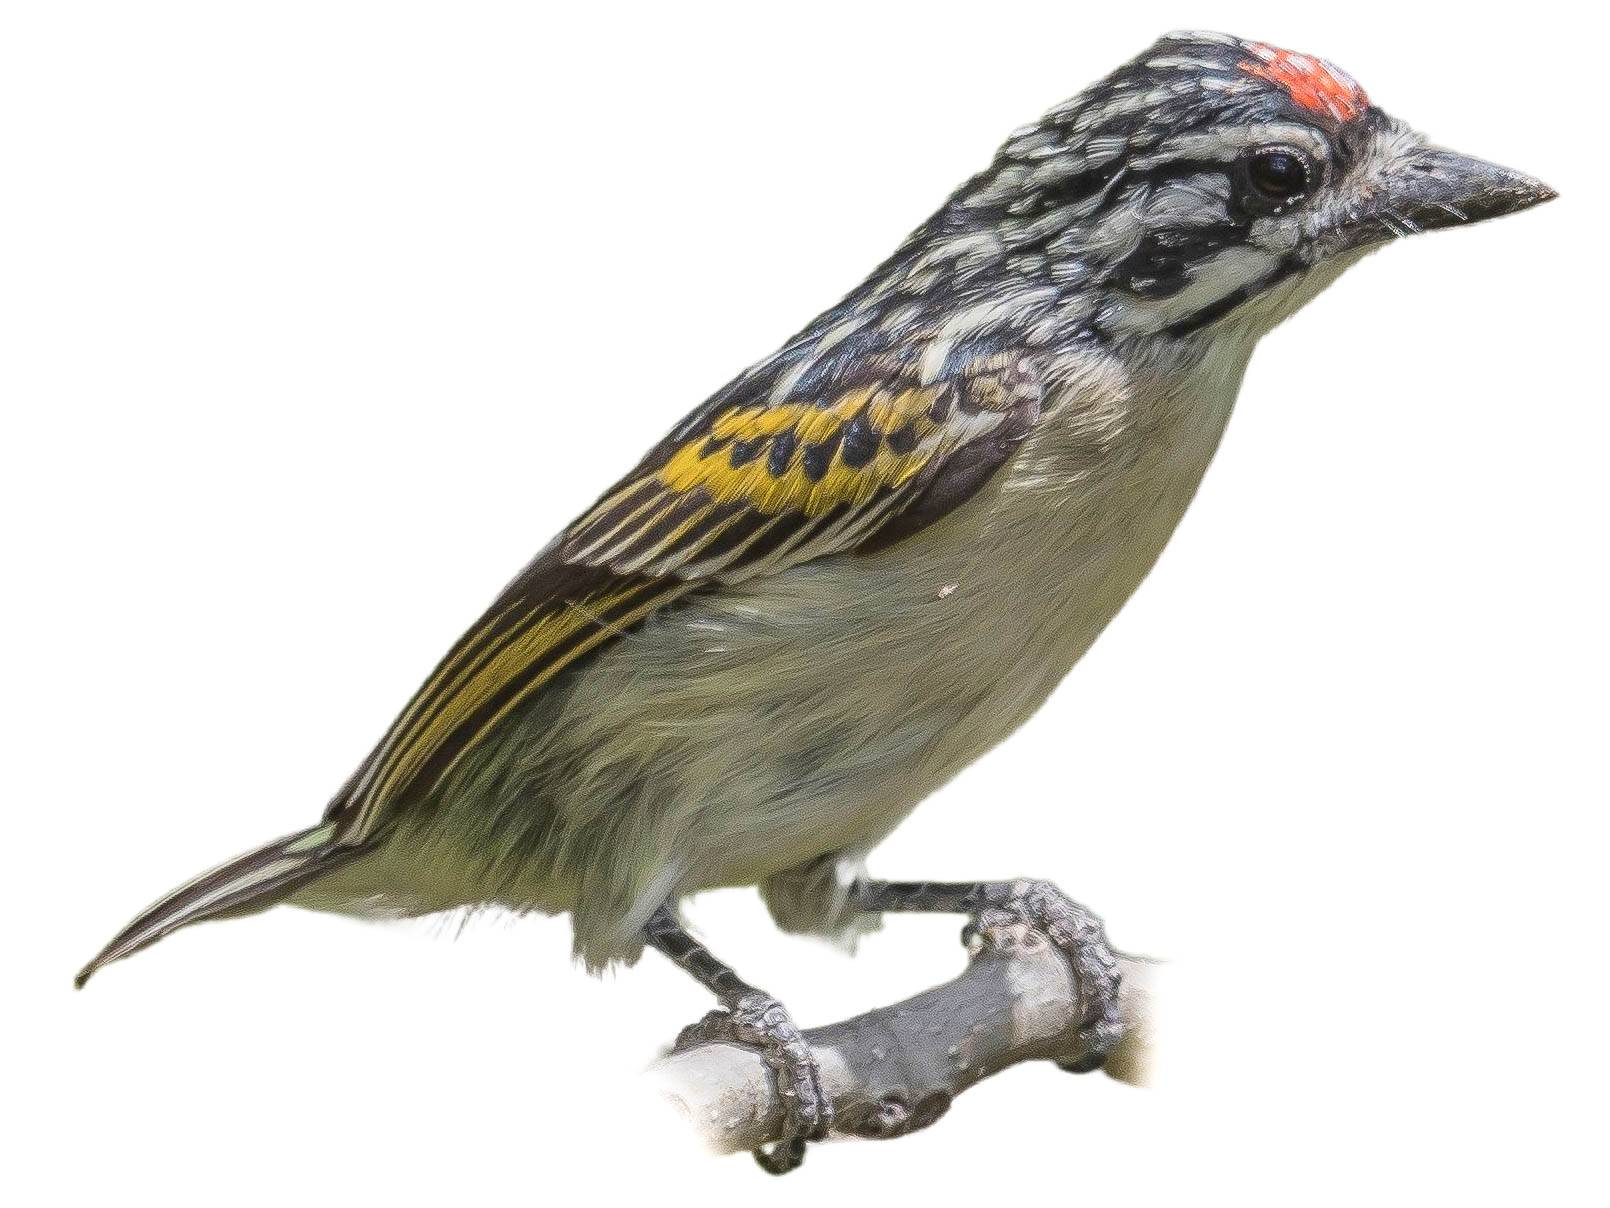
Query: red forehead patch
point(1312, 83)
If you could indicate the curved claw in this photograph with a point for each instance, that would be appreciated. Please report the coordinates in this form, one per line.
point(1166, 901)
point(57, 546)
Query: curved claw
point(782, 1157)
point(760, 1022)
point(1082, 939)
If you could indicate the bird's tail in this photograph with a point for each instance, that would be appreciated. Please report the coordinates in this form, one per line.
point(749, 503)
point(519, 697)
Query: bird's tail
point(257, 879)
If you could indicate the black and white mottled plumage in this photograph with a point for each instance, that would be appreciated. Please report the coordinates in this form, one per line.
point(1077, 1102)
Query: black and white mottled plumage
point(870, 557)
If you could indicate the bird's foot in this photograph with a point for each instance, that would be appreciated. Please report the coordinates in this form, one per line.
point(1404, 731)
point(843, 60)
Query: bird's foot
point(1079, 935)
point(758, 1021)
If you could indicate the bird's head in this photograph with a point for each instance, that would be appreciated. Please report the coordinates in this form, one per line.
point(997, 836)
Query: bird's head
point(1209, 181)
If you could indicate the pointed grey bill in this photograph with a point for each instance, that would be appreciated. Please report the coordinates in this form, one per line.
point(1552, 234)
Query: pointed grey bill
point(1431, 188)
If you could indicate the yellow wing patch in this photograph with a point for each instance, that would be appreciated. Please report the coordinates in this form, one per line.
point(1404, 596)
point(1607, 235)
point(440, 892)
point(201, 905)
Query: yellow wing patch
point(763, 484)
point(807, 427)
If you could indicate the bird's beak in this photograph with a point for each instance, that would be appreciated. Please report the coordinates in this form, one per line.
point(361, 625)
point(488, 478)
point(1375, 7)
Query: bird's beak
point(1428, 188)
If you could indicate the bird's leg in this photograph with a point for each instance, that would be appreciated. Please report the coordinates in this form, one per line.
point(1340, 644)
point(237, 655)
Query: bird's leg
point(1076, 932)
point(754, 1018)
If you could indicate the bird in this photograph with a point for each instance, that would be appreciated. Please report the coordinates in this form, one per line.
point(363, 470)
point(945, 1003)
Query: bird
point(870, 557)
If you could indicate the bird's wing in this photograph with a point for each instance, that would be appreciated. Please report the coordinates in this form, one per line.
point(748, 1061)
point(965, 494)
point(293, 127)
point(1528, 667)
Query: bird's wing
point(740, 489)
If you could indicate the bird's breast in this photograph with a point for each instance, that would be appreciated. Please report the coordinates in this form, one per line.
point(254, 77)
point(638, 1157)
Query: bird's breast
point(1031, 571)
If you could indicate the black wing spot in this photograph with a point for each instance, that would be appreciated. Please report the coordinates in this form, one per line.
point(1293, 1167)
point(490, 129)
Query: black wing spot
point(861, 441)
point(745, 451)
point(903, 440)
point(782, 452)
point(818, 457)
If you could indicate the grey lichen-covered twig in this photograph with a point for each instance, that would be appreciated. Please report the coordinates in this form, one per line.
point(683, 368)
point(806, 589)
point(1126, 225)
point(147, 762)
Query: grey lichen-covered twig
point(897, 1069)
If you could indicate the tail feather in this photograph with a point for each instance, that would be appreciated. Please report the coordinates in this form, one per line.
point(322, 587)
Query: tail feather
point(259, 877)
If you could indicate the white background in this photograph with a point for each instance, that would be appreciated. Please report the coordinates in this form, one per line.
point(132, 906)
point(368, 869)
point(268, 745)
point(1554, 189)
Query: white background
point(319, 319)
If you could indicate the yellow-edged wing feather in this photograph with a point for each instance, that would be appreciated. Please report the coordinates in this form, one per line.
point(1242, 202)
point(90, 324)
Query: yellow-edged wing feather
point(747, 489)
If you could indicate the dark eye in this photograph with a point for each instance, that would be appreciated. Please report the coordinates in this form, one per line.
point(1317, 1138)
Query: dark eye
point(1279, 174)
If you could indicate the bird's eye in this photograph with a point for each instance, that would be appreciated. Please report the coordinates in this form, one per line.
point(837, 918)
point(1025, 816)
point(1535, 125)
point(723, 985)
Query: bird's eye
point(1279, 174)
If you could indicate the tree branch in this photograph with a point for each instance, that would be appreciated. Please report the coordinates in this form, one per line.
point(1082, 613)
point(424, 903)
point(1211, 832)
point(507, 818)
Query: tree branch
point(897, 1069)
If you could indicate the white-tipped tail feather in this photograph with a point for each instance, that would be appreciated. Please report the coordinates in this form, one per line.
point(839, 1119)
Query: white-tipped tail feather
point(258, 878)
